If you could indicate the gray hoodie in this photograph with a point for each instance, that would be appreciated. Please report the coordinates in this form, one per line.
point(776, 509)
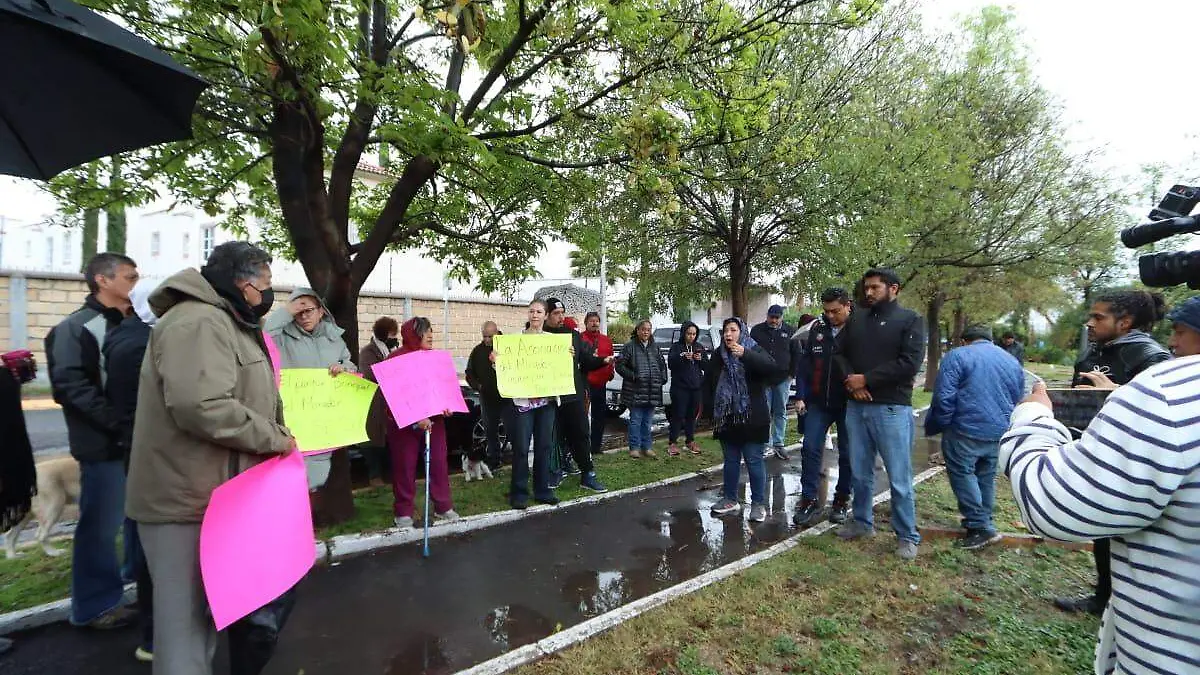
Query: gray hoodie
point(298, 349)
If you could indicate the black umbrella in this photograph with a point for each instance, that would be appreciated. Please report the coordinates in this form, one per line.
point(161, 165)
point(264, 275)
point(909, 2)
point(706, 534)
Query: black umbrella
point(74, 87)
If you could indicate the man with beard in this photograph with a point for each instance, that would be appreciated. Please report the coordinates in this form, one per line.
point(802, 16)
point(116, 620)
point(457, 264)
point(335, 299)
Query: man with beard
point(883, 347)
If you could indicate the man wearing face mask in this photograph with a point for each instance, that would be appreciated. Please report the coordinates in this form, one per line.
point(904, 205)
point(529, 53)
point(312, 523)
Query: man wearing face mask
point(308, 337)
point(207, 410)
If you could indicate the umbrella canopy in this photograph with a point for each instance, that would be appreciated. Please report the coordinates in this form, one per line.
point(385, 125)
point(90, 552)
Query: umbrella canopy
point(75, 86)
point(579, 300)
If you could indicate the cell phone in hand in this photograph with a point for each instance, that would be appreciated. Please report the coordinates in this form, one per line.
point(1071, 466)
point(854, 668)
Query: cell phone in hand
point(1031, 381)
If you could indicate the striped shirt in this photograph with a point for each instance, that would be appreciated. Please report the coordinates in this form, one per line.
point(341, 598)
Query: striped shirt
point(1135, 477)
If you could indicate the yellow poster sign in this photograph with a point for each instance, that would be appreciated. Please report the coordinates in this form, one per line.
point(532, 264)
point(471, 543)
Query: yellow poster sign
point(534, 366)
point(325, 412)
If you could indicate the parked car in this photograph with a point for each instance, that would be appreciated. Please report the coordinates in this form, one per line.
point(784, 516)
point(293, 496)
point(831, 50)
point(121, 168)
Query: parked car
point(664, 337)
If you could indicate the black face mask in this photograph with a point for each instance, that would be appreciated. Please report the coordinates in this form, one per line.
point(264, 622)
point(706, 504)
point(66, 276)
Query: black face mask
point(391, 343)
point(268, 301)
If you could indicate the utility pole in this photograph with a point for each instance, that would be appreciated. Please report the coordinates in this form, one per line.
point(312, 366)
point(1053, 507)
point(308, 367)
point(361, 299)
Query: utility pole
point(603, 284)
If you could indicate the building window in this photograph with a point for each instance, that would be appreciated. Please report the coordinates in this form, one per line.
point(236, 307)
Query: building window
point(67, 251)
point(155, 243)
point(49, 252)
point(207, 235)
point(187, 245)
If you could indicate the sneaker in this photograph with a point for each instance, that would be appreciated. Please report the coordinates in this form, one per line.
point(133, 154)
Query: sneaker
point(977, 539)
point(650, 453)
point(144, 655)
point(117, 618)
point(635, 454)
point(569, 468)
point(855, 530)
point(556, 479)
point(907, 550)
point(446, 516)
point(403, 522)
point(550, 500)
point(782, 453)
point(726, 507)
point(769, 453)
point(807, 513)
point(758, 513)
point(673, 450)
point(519, 504)
point(592, 483)
point(1089, 603)
point(840, 510)
point(693, 448)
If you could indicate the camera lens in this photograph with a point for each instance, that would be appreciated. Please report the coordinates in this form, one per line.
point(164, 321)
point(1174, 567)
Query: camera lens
point(1170, 269)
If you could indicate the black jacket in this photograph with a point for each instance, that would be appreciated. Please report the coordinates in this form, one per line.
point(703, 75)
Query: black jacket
point(761, 369)
point(886, 344)
point(1123, 358)
point(687, 373)
point(585, 362)
point(643, 373)
point(1016, 349)
point(779, 344)
point(481, 374)
point(124, 351)
point(73, 362)
point(819, 375)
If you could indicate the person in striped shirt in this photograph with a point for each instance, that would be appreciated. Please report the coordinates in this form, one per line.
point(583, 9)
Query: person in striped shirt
point(1134, 477)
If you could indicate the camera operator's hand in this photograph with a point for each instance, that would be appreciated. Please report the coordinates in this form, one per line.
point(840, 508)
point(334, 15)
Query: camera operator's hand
point(1039, 395)
point(1098, 381)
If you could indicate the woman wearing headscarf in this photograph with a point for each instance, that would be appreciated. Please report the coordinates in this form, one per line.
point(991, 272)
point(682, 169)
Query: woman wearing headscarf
point(687, 361)
point(407, 445)
point(738, 373)
point(643, 373)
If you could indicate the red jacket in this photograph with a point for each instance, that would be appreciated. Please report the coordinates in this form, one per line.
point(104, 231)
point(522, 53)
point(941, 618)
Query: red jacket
point(604, 347)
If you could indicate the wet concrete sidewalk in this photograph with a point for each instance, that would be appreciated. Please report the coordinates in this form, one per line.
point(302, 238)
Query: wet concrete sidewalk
point(480, 594)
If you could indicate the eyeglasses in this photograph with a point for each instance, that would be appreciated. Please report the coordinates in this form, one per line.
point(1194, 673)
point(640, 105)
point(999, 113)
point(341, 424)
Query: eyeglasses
point(305, 313)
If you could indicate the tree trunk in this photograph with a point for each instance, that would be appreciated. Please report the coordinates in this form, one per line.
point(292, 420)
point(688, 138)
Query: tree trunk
point(960, 324)
point(933, 325)
point(334, 501)
point(739, 284)
point(116, 211)
point(91, 230)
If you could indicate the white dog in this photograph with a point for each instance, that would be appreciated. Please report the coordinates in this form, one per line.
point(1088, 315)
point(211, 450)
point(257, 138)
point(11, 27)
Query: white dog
point(475, 470)
point(58, 485)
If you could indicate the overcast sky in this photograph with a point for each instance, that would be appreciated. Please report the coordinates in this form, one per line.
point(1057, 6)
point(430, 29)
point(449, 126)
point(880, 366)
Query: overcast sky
point(1122, 70)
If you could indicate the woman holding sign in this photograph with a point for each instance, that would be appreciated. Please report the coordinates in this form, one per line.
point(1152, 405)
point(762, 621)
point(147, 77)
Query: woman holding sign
point(738, 372)
point(407, 445)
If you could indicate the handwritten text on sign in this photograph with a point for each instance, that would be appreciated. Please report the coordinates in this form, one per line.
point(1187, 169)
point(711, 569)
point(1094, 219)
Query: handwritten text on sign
point(325, 412)
point(534, 366)
point(420, 384)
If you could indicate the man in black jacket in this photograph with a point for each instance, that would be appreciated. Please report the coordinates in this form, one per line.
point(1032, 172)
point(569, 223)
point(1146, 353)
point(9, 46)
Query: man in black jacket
point(572, 418)
point(822, 395)
point(77, 379)
point(883, 346)
point(481, 376)
point(776, 338)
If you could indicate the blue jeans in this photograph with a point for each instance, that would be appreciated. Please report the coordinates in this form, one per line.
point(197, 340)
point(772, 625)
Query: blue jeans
point(599, 413)
point(639, 427)
point(536, 425)
point(817, 421)
point(752, 454)
point(971, 464)
point(777, 403)
point(96, 585)
point(685, 405)
point(887, 430)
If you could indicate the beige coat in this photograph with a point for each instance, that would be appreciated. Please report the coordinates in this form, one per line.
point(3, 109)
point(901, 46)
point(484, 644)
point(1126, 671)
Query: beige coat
point(207, 403)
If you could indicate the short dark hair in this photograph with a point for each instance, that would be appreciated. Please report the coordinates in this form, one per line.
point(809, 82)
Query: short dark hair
point(590, 315)
point(885, 274)
point(105, 265)
point(835, 294)
point(421, 326)
point(1144, 307)
point(237, 261)
point(385, 326)
point(1008, 334)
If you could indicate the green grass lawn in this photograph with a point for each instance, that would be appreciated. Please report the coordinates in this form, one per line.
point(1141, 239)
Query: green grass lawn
point(830, 607)
point(1051, 372)
point(35, 578)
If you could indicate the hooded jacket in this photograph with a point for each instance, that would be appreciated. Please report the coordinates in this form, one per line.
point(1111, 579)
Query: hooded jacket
point(207, 408)
point(687, 373)
point(321, 348)
point(73, 360)
point(1123, 358)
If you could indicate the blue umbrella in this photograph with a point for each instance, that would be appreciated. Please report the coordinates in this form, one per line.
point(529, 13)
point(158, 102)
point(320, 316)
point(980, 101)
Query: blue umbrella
point(75, 87)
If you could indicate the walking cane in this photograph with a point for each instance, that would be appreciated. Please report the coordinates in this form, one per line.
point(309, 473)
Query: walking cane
point(427, 479)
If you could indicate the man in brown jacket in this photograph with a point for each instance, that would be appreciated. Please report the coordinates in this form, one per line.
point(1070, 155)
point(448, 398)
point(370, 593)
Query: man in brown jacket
point(208, 409)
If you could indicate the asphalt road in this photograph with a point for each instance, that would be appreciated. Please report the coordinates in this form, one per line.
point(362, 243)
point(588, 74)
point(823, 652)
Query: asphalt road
point(47, 431)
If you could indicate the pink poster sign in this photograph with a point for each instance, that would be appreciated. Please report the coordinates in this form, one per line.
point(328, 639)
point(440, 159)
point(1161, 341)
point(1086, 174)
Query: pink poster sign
point(256, 540)
point(420, 384)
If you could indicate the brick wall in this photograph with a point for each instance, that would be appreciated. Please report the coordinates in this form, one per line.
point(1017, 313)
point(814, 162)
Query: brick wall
point(30, 305)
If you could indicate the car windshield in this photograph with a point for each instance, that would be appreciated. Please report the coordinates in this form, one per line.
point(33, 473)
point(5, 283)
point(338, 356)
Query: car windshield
point(666, 336)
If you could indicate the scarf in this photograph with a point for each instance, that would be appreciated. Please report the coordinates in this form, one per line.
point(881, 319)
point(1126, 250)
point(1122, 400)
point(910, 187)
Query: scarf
point(228, 290)
point(731, 403)
point(18, 476)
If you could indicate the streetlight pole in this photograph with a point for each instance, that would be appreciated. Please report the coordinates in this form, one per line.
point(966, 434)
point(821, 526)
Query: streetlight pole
point(603, 284)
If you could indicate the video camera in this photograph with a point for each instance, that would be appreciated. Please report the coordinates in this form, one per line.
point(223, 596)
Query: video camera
point(1169, 218)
